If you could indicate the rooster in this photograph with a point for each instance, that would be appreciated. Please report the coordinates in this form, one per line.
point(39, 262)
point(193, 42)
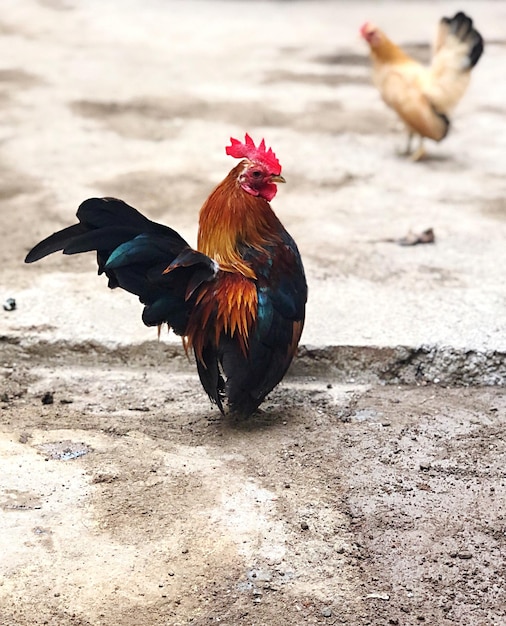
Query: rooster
point(238, 301)
point(424, 97)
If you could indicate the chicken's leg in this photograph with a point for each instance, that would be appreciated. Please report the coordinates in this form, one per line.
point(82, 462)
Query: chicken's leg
point(407, 151)
point(419, 153)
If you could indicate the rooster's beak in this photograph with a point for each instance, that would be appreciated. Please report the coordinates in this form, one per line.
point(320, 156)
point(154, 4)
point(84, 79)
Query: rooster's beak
point(277, 179)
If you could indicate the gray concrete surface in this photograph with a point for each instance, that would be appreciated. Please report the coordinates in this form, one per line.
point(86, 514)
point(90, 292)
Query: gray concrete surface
point(140, 102)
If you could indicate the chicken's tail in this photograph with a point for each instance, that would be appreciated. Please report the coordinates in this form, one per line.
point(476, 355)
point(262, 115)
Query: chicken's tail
point(457, 49)
point(458, 32)
point(147, 259)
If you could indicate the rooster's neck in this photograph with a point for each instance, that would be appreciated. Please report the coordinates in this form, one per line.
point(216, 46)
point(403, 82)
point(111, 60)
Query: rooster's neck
point(231, 218)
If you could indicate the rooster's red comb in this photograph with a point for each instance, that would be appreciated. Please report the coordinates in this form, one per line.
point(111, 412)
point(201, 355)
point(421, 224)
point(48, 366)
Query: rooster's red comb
point(249, 151)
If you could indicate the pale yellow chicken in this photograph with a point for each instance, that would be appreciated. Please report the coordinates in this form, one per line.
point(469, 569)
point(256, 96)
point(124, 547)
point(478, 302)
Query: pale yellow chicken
point(424, 96)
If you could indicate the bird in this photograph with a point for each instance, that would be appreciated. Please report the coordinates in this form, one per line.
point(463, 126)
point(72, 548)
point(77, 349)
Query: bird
point(238, 300)
point(424, 97)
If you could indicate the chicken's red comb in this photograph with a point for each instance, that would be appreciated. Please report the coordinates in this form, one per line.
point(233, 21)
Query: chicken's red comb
point(254, 153)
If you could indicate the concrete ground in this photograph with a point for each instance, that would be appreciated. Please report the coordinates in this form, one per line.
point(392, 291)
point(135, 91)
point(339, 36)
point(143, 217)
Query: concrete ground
point(371, 488)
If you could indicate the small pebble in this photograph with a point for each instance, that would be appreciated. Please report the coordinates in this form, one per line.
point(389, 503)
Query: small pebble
point(378, 596)
point(47, 398)
point(326, 612)
point(304, 525)
point(9, 304)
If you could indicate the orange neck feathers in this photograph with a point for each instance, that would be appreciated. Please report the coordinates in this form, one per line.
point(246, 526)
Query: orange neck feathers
point(231, 216)
point(385, 51)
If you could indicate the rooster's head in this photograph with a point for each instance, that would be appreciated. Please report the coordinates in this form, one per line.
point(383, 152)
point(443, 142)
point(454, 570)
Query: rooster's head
point(261, 169)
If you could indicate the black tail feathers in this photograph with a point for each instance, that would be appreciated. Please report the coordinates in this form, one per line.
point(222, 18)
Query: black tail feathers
point(55, 242)
point(461, 25)
point(135, 254)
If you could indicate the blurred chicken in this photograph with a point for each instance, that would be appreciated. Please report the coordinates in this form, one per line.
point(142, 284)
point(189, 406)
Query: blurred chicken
point(425, 96)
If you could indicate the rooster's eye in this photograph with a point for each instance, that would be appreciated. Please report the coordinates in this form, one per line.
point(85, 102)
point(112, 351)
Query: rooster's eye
point(256, 174)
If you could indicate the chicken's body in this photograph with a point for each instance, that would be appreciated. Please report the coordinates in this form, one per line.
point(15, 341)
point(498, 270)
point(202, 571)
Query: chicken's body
point(238, 301)
point(424, 97)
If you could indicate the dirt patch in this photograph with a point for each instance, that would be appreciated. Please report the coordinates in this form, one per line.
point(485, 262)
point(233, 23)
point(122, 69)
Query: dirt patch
point(16, 190)
point(160, 119)
point(495, 208)
point(13, 80)
point(332, 80)
point(325, 117)
point(162, 195)
point(337, 504)
point(343, 58)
